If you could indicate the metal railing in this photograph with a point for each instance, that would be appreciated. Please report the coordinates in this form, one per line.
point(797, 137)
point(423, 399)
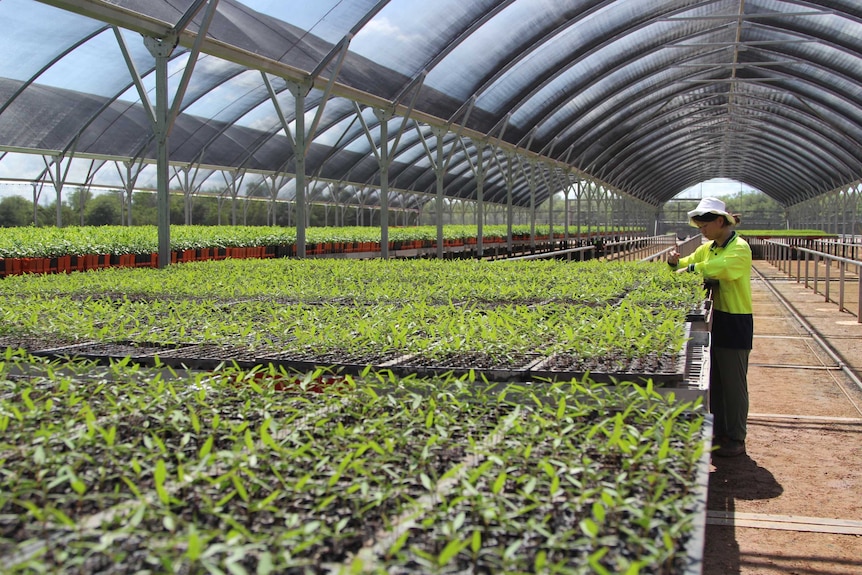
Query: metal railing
point(631, 249)
point(684, 247)
point(844, 249)
point(782, 255)
point(565, 253)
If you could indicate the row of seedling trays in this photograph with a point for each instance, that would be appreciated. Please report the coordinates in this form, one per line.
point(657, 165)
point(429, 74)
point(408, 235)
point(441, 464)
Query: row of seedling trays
point(133, 457)
point(683, 371)
point(121, 468)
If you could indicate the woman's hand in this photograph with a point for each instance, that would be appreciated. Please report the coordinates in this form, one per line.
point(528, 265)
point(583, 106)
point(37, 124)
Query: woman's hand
point(673, 257)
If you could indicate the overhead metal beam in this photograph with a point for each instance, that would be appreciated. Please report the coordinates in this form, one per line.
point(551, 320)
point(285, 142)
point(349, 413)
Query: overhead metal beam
point(146, 26)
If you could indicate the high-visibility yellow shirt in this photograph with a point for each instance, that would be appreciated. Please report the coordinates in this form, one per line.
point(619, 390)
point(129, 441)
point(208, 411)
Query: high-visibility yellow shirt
point(730, 266)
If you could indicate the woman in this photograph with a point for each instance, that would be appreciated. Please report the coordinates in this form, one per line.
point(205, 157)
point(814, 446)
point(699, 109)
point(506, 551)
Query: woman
point(725, 263)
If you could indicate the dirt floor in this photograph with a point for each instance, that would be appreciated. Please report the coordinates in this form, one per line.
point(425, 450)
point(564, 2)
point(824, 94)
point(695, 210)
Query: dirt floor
point(793, 504)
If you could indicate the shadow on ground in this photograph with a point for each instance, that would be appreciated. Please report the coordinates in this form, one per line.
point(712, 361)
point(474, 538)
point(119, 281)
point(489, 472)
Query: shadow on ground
point(732, 479)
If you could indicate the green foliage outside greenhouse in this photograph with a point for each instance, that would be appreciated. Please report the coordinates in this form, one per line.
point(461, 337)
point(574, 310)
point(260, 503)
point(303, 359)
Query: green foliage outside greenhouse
point(786, 233)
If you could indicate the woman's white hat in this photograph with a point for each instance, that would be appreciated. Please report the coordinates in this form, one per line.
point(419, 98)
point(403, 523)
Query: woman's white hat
point(711, 206)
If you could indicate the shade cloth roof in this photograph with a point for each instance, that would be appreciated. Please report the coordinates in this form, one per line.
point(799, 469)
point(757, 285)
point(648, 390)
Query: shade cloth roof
point(648, 97)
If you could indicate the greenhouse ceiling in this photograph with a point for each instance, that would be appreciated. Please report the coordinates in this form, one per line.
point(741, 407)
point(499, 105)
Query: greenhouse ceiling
point(520, 97)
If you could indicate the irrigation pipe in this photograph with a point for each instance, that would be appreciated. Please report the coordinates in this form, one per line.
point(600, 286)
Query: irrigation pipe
point(833, 355)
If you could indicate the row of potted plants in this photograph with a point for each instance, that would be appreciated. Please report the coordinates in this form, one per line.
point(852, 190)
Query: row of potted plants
point(119, 240)
point(58, 250)
point(119, 468)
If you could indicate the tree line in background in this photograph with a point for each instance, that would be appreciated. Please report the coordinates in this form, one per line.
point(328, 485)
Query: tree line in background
point(82, 207)
point(758, 211)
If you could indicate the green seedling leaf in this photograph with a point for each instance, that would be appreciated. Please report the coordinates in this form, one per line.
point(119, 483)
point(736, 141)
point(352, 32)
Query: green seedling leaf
point(541, 561)
point(555, 485)
point(28, 403)
point(16, 413)
point(599, 512)
point(137, 517)
point(302, 481)
point(193, 417)
point(458, 522)
point(426, 481)
point(512, 550)
point(499, 483)
point(664, 449)
point(594, 559)
point(249, 440)
point(159, 475)
point(61, 517)
point(266, 437)
point(194, 545)
point(230, 495)
point(39, 455)
point(476, 542)
point(342, 523)
point(235, 568)
point(240, 488)
point(154, 440)
point(398, 544)
point(449, 552)
point(589, 527)
point(668, 541)
point(109, 435)
point(132, 487)
point(325, 503)
point(618, 430)
point(452, 471)
point(77, 485)
point(272, 497)
point(206, 448)
point(265, 565)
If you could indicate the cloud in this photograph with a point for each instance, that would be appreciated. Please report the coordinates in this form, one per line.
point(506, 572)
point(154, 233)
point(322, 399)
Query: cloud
point(387, 43)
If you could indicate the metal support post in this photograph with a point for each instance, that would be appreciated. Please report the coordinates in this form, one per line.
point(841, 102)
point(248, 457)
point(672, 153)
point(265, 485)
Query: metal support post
point(161, 49)
point(532, 183)
point(384, 159)
point(300, 149)
point(510, 215)
point(440, 173)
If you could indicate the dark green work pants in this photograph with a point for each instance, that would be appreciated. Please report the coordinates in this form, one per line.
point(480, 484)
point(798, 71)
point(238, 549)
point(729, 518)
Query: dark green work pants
point(728, 391)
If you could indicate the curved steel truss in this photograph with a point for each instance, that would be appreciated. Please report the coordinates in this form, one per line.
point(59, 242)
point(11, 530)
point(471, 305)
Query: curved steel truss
point(645, 97)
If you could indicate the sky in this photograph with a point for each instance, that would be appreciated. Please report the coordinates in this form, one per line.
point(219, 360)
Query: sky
point(714, 188)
